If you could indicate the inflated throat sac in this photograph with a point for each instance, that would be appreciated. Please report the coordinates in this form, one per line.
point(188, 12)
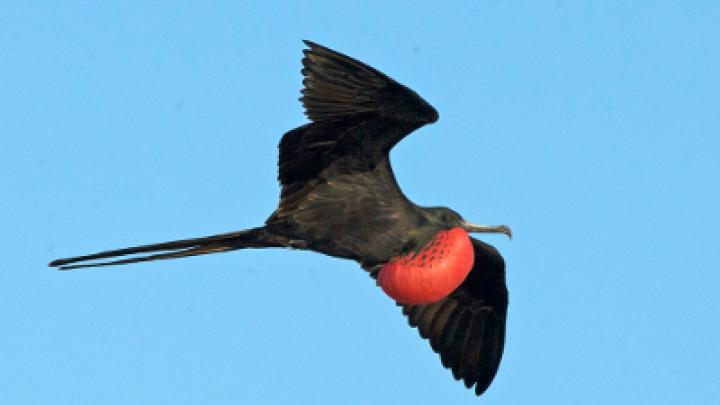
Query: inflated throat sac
point(432, 273)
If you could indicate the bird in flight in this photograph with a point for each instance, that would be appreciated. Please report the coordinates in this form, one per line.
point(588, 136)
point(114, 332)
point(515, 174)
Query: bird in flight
point(339, 197)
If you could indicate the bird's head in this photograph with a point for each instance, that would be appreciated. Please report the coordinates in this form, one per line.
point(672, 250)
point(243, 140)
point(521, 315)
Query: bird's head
point(447, 218)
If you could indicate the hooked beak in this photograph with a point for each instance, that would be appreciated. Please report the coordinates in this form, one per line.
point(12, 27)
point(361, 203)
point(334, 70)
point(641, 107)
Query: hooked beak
point(470, 227)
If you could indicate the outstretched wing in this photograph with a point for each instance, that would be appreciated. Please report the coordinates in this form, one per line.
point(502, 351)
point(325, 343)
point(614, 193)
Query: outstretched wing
point(338, 87)
point(358, 114)
point(467, 328)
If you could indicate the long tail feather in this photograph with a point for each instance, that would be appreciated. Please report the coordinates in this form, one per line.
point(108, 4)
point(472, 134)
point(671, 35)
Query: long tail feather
point(256, 237)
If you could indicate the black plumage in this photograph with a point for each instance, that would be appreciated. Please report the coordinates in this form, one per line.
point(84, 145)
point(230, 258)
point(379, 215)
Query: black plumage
point(339, 197)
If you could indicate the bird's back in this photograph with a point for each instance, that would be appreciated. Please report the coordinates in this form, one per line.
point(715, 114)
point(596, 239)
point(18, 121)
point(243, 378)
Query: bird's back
point(351, 206)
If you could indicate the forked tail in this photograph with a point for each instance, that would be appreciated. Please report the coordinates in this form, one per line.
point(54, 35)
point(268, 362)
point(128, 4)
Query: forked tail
point(250, 238)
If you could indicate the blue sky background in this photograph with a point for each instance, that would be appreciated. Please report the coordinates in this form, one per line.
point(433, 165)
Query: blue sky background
point(591, 128)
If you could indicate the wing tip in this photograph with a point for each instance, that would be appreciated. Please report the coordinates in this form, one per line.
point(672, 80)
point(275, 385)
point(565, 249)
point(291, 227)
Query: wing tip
point(336, 85)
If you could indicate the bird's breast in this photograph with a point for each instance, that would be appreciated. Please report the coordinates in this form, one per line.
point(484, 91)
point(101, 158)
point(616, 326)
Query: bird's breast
point(431, 273)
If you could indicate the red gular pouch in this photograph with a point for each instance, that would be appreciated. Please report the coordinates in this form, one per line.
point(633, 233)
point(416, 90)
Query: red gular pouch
point(432, 273)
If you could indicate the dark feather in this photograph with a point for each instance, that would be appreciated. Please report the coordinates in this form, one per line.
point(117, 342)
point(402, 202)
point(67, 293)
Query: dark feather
point(340, 163)
point(467, 328)
point(340, 197)
point(337, 87)
point(224, 242)
point(358, 115)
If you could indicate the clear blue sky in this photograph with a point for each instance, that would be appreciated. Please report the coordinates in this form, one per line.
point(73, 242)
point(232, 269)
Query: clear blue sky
point(591, 128)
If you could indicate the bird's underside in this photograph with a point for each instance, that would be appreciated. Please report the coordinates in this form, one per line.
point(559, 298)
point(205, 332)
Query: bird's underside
point(339, 197)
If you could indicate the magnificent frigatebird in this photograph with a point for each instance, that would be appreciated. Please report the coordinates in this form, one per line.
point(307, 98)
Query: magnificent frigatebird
point(340, 197)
